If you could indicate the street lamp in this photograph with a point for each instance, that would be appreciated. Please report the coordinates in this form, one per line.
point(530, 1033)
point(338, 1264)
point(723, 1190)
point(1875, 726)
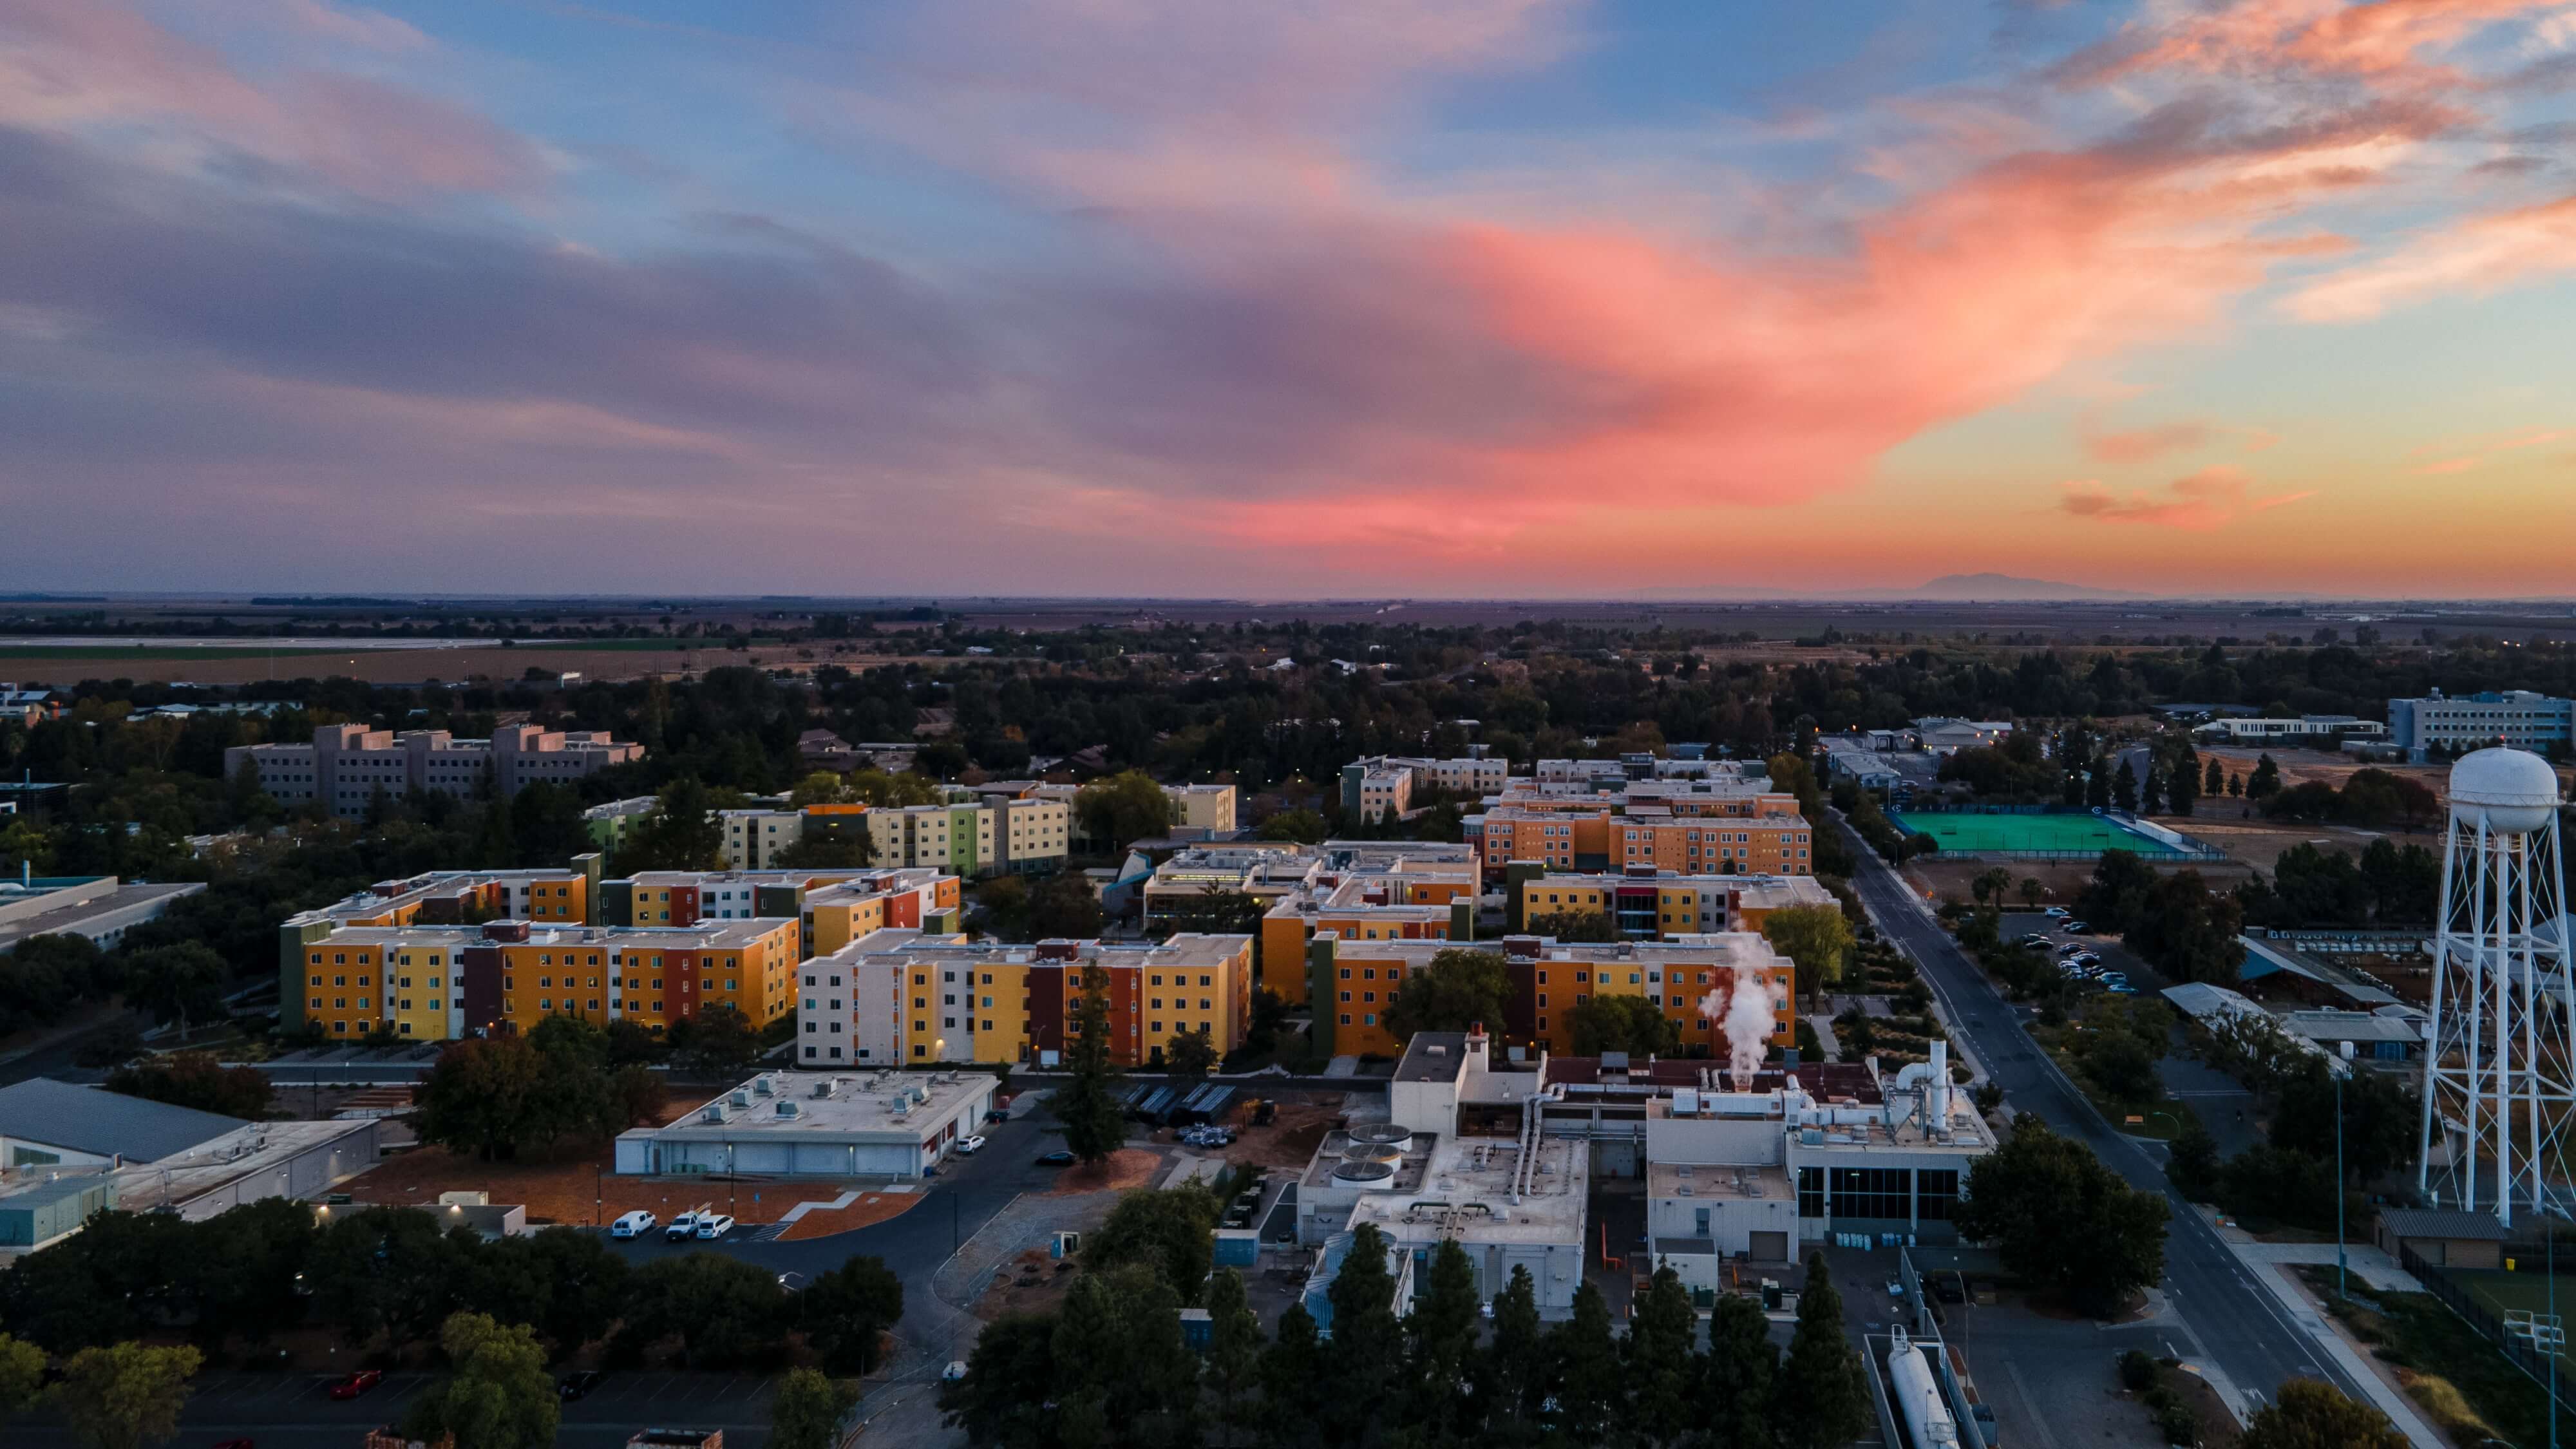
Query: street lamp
point(2344, 1049)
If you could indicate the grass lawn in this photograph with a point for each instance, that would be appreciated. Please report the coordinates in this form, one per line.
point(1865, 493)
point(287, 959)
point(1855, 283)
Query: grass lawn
point(40, 653)
point(2514, 1292)
point(2460, 1381)
point(1963, 831)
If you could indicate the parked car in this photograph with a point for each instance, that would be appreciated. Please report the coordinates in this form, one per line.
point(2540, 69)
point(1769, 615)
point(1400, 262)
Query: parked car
point(2071, 948)
point(682, 1226)
point(956, 1370)
point(1057, 1158)
point(2123, 989)
point(352, 1385)
point(2078, 928)
point(2055, 913)
point(1946, 1288)
point(577, 1385)
point(969, 1146)
point(632, 1225)
point(714, 1226)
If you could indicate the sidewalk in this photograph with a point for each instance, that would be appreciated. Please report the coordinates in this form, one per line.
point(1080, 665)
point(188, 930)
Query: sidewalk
point(2273, 1276)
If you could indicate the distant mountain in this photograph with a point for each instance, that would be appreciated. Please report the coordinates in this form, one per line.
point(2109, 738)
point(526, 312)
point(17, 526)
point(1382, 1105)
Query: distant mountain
point(1999, 588)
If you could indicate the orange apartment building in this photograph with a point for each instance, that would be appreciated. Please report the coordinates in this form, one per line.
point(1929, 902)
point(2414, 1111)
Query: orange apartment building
point(903, 997)
point(1768, 840)
point(439, 982)
point(1352, 983)
point(1414, 901)
point(1644, 904)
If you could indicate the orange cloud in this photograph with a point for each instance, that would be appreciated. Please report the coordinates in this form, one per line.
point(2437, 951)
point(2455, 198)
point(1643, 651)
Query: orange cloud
point(2381, 40)
point(2482, 255)
point(2145, 444)
point(2206, 500)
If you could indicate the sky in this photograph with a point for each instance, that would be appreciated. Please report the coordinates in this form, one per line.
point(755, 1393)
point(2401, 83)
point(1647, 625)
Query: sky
point(1298, 298)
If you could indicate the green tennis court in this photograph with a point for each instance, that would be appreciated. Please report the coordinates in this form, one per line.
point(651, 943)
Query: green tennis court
point(1966, 832)
point(2504, 1292)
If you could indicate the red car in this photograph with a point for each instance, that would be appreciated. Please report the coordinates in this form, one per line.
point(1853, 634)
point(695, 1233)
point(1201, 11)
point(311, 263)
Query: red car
point(357, 1383)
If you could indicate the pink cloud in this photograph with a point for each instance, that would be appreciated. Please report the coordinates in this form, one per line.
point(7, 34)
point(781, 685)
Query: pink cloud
point(2379, 40)
point(2202, 502)
point(88, 65)
point(2484, 254)
point(2141, 445)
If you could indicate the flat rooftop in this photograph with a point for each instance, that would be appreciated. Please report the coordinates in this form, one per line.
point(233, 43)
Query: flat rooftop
point(1718, 1183)
point(50, 919)
point(1467, 1189)
point(1432, 1056)
point(1827, 1082)
point(707, 935)
point(262, 1147)
point(859, 1104)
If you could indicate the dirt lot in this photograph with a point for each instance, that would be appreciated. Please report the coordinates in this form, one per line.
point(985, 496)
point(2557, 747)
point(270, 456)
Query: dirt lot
point(1125, 1168)
point(1034, 1283)
point(577, 1187)
point(2258, 843)
point(2298, 767)
point(1291, 1139)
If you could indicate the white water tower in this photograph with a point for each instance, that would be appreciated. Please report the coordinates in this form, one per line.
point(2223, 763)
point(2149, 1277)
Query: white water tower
point(2499, 1077)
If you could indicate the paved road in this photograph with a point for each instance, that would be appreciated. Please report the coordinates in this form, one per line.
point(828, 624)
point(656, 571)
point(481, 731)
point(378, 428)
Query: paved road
point(2237, 1325)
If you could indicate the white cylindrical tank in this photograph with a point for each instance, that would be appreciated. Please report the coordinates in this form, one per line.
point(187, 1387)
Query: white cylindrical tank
point(2514, 789)
point(1918, 1397)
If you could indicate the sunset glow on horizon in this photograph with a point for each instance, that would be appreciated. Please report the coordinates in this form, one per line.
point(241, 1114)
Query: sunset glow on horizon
point(1507, 298)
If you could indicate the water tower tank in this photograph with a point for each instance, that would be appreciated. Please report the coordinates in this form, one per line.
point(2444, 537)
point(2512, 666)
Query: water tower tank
point(2515, 789)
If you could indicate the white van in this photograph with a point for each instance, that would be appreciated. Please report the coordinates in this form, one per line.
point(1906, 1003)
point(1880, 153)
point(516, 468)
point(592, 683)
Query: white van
point(714, 1225)
point(632, 1225)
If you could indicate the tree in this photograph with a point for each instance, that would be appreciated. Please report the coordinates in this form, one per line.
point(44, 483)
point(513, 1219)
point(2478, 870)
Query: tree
point(1122, 1374)
point(718, 1042)
point(1738, 1375)
point(1520, 1378)
point(2213, 781)
point(126, 1395)
point(1064, 908)
point(2182, 788)
point(1821, 1401)
point(1094, 1123)
point(1128, 806)
point(497, 1394)
point(2121, 1066)
point(483, 1096)
point(1817, 939)
point(827, 850)
point(248, 1259)
point(2191, 1164)
point(1171, 1230)
point(819, 787)
point(1662, 1397)
point(2124, 788)
point(1455, 989)
point(1190, 1054)
point(1572, 926)
point(1293, 1386)
point(1633, 1024)
point(1234, 1347)
point(2187, 931)
point(178, 984)
point(2032, 892)
point(562, 1282)
point(1305, 827)
point(22, 1374)
point(2116, 896)
point(684, 834)
point(1584, 1359)
point(1002, 1399)
point(389, 1272)
point(2380, 1118)
point(2151, 795)
point(806, 1411)
point(196, 1079)
point(724, 1311)
point(1365, 1351)
point(2307, 1414)
point(2265, 781)
point(1441, 1331)
point(2063, 1219)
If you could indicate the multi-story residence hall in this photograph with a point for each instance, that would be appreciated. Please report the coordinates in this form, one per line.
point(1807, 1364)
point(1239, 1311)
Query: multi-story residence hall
point(1380, 786)
point(974, 833)
point(1689, 826)
point(817, 909)
point(1645, 904)
point(346, 765)
point(903, 997)
point(1351, 983)
point(440, 982)
point(1270, 871)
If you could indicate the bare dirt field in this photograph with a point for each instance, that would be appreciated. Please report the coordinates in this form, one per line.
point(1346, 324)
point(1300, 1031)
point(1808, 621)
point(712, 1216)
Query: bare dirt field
point(1128, 1167)
point(247, 662)
point(2258, 843)
point(1290, 1140)
point(2298, 767)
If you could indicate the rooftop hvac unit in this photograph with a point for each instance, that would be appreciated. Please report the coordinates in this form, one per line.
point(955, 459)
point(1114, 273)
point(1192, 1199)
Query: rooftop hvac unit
point(786, 1109)
point(825, 1087)
point(761, 1085)
point(715, 1112)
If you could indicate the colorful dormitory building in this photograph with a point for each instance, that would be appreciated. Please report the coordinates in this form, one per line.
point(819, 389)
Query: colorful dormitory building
point(1269, 871)
point(1350, 984)
point(456, 953)
point(1645, 904)
point(902, 997)
point(989, 830)
point(444, 982)
point(1689, 827)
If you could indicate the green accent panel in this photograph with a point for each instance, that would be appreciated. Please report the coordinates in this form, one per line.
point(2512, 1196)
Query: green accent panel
point(617, 903)
point(1462, 919)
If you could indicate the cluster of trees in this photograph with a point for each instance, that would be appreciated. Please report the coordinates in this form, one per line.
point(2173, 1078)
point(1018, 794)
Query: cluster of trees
point(196, 1079)
point(2290, 1176)
point(1110, 1367)
point(2175, 922)
point(2119, 1045)
point(119, 1396)
point(383, 1278)
point(2370, 798)
point(2063, 1220)
point(2392, 884)
point(1058, 905)
point(568, 1077)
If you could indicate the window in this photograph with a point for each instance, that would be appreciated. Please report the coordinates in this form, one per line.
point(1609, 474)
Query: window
point(1867, 1192)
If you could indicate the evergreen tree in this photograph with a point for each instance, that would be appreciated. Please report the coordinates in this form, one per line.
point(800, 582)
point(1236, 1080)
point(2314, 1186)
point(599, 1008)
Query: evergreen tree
point(1517, 1361)
point(1293, 1387)
point(806, 1410)
point(1585, 1360)
point(1367, 1346)
point(496, 844)
point(2214, 780)
point(1738, 1377)
point(2151, 797)
point(1234, 1352)
point(2192, 1163)
point(1662, 1367)
point(2097, 784)
point(2266, 781)
point(2182, 787)
point(1123, 1376)
point(2235, 783)
point(2124, 788)
point(1442, 1330)
point(1820, 1403)
point(1094, 1123)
